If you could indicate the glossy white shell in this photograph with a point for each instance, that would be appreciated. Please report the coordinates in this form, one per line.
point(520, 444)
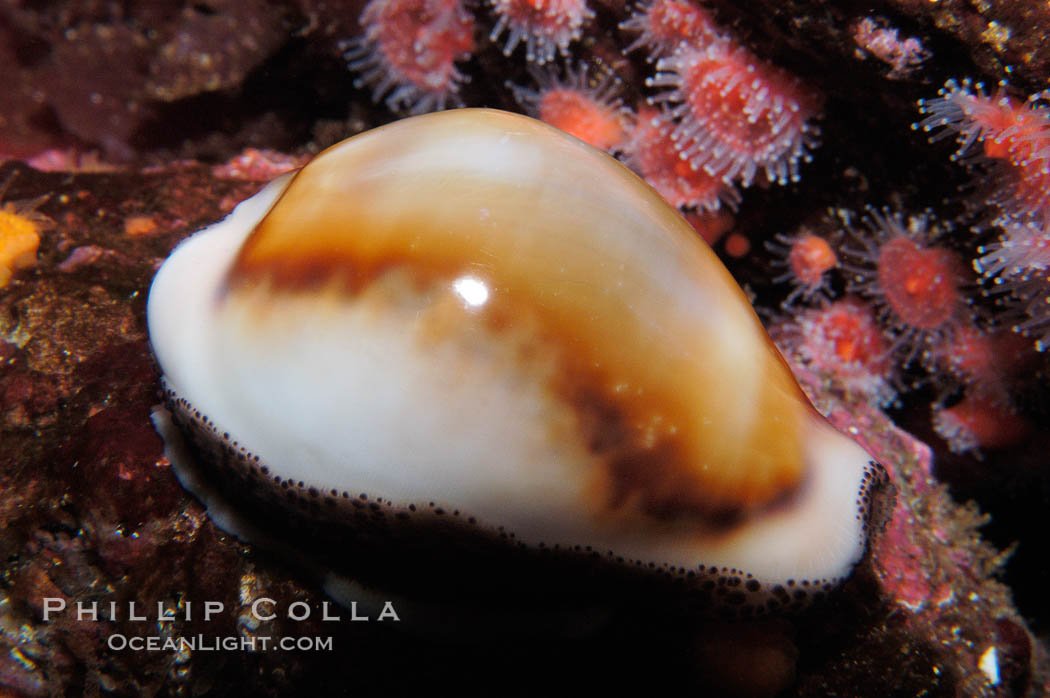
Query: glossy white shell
point(445, 309)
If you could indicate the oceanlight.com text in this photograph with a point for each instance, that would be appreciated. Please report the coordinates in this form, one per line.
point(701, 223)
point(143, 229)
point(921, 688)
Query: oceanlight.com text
point(202, 643)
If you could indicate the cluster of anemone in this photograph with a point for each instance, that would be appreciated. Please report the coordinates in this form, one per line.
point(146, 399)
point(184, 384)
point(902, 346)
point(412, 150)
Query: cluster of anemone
point(898, 301)
point(883, 302)
point(1005, 141)
point(409, 50)
point(899, 315)
point(718, 116)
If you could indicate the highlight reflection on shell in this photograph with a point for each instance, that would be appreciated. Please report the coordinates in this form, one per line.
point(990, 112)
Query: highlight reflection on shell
point(468, 327)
